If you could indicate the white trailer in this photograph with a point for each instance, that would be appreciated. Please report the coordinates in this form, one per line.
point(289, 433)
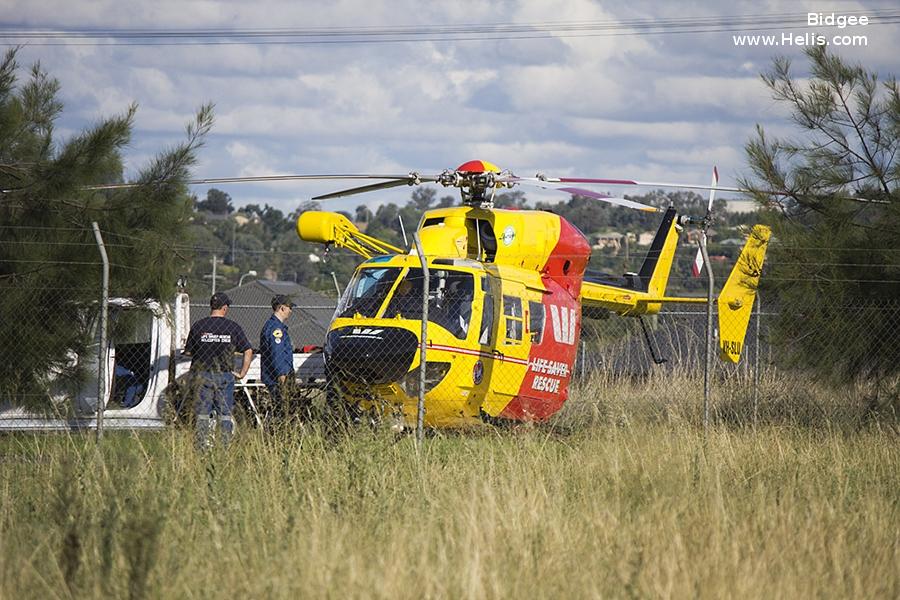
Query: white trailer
point(144, 364)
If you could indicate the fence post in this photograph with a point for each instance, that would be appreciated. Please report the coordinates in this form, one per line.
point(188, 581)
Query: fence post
point(420, 412)
point(707, 363)
point(582, 357)
point(756, 359)
point(101, 353)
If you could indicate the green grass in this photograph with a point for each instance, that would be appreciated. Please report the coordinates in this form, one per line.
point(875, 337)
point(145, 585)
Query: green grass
point(589, 510)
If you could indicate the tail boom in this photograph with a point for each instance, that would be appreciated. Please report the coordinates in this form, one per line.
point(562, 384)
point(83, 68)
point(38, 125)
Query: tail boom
point(641, 293)
point(735, 303)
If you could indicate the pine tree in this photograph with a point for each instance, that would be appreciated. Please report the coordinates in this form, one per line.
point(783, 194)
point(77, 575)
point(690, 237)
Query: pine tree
point(835, 265)
point(49, 263)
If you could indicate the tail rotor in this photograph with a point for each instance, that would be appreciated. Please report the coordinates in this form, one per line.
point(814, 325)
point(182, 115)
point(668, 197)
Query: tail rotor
point(704, 225)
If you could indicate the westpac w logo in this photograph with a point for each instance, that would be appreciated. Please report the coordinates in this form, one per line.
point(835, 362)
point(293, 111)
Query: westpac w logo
point(372, 334)
point(563, 324)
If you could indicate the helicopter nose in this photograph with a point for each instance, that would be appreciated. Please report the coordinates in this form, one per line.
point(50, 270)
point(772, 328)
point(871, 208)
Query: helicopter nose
point(373, 355)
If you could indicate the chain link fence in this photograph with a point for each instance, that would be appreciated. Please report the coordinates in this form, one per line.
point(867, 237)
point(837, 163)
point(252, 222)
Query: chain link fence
point(499, 349)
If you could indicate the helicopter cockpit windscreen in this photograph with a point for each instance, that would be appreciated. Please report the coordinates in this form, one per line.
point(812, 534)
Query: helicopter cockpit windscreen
point(367, 291)
point(450, 297)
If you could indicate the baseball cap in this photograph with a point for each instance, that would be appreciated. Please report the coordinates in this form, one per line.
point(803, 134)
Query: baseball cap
point(282, 299)
point(218, 300)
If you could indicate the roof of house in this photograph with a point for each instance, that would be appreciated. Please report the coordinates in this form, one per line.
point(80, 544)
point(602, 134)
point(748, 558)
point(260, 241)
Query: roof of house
point(252, 306)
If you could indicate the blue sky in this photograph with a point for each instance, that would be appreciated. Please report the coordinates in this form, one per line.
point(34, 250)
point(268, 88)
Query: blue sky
point(652, 107)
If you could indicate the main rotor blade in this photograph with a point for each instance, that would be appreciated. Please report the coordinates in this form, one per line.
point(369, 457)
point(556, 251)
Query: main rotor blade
point(591, 181)
point(383, 185)
point(363, 189)
point(574, 191)
point(612, 200)
point(247, 179)
point(686, 186)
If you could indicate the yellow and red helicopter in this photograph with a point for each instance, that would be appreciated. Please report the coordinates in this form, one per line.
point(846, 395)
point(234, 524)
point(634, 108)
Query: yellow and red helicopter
point(507, 293)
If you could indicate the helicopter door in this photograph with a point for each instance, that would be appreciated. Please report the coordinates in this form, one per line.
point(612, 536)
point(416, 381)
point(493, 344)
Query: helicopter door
point(510, 349)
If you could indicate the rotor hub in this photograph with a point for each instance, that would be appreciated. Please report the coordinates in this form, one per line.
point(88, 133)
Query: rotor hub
point(477, 181)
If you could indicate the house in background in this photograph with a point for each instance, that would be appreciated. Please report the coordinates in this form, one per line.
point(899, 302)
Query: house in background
point(741, 205)
point(692, 236)
point(610, 240)
point(645, 238)
point(252, 306)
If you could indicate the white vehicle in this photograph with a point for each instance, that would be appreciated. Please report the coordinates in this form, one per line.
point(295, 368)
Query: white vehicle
point(144, 361)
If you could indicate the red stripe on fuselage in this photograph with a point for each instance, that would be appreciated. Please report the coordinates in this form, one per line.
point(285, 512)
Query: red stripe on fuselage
point(492, 355)
point(545, 386)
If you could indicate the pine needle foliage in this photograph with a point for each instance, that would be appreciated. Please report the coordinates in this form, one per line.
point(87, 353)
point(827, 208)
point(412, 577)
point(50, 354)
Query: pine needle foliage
point(50, 267)
point(835, 213)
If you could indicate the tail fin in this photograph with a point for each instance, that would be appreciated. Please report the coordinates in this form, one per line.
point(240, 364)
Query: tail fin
point(739, 293)
point(654, 274)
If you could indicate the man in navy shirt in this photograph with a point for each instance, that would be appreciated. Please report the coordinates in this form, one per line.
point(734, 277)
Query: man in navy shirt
point(276, 352)
point(212, 343)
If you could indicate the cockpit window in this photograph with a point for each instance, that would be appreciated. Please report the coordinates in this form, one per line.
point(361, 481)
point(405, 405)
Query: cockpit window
point(450, 297)
point(367, 291)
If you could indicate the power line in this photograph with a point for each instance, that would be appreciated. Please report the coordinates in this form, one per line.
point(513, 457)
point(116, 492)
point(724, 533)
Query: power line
point(50, 262)
point(874, 16)
point(58, 243)
point(831, 280)
point(46, 227)
point(430, 33)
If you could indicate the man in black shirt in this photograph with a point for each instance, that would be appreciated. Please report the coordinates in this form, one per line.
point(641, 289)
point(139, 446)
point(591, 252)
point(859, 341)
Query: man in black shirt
point(212, 343)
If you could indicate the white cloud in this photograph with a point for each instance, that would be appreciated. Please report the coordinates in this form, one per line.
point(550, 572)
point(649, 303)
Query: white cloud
point(735, 96)
point(651, 107)
point(242, 151)
point(658, 131)
point(711, 155)
point(526, 157)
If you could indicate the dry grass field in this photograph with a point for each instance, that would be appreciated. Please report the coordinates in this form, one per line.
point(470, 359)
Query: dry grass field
point(596, 507)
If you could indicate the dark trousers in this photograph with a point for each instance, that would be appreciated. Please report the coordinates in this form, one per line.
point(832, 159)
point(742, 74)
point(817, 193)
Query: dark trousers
point(285, 400)
point(215, 395)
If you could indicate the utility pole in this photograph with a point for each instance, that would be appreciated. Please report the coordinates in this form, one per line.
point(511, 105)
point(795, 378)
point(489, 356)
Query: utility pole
point(214, 276)
point(233, 234)
point(215, 261)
